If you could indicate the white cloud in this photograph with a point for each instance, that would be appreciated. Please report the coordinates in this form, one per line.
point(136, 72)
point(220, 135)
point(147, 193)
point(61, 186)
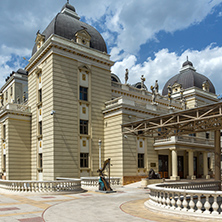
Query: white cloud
point(142, 20)
point(167, 64)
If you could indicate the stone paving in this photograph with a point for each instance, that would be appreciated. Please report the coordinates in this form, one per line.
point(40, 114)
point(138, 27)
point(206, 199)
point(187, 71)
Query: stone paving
point(127, 204)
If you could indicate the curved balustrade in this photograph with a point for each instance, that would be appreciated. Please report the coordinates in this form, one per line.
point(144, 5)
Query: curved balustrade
point(42, 186)
point(199, 198)
point(93, 182)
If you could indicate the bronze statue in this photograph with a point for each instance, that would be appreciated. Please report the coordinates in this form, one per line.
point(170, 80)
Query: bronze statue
point(153, 175)
point(104, 185)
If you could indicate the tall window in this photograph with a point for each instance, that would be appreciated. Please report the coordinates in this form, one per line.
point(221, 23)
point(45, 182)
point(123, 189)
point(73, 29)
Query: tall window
point(84, 160)
point(40, 95)
point(40, 128)
point(4, 131)
point(140, 160)
point(11, 91)
point(207, 135)
point(83, 127)
point(4, 162)
point(40, 160)
point(83, 93)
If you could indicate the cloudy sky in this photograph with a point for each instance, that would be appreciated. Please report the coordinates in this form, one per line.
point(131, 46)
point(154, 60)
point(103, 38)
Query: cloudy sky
point(149, 37)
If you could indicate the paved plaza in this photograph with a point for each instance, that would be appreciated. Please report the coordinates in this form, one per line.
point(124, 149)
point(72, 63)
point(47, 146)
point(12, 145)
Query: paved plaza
point(127, 204)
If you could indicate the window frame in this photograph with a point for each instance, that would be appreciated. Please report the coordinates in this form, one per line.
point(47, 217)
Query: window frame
point(83, 127)
point(84, 160)
point(141, 161)
point(40, 95)
point(83, 93)
point(40, 128)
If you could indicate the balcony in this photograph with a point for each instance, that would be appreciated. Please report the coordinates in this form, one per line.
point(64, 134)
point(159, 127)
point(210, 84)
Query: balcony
point(16, 108)
point(184, 140)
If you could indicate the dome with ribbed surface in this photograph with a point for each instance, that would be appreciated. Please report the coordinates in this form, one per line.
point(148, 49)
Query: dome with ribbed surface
point(66, 24)
point(187, 78)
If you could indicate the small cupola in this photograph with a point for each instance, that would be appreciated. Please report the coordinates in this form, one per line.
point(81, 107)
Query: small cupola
point(69, 10)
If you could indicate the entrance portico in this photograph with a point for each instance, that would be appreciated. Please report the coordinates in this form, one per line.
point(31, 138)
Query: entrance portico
point(200, 119)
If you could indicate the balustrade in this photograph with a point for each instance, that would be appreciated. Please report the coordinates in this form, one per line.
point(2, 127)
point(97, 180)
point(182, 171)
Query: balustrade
point(93, 182)
point(41, 186)
point(199, 198)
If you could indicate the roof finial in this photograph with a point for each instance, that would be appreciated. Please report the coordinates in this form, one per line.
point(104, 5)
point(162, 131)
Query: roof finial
point(187, 58)
point(67, 1)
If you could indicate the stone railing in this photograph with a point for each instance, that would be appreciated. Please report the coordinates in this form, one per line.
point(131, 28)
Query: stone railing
point(93, 182)
point(187, 139)
point(16, 107)
point(193, 199)
point(71, 185)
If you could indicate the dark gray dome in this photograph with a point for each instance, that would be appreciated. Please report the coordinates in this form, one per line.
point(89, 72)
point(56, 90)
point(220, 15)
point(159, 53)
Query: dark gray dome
point(188, 77)
point(67, 26)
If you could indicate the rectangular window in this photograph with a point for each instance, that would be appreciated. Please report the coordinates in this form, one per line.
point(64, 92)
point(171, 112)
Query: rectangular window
point(40, 95)
point(140, 160)
point(207, 135)
point(11, 91)
point(192, 134)
point(40, 128)
point(4, 162)
point(84, 160)
point(40, 160)
point(83, 93)
point(4, 131)
point(83, 126)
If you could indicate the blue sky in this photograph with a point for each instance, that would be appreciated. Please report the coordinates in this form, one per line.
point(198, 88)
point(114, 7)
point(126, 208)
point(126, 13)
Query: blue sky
point(149, 37)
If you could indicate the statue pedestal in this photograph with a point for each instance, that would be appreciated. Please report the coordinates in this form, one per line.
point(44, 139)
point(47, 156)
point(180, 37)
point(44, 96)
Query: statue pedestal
point(171, 109)
point(154, 104)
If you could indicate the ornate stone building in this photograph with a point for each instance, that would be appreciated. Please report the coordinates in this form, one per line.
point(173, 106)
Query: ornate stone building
point(73, 101)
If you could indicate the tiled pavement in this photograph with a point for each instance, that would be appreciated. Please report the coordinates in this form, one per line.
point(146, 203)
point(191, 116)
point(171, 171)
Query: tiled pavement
point(127, 204)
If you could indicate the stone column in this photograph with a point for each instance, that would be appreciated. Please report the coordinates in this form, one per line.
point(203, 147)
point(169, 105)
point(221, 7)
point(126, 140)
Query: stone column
point(217, 150)
point(174, 166)
point(190, 166)
point(205, 166)
point(170, 164)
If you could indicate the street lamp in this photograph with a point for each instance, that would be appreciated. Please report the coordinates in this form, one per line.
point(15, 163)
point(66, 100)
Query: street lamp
point(99, 143)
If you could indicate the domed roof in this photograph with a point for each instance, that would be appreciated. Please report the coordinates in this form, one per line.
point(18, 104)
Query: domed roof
point(188, 77)
point(66, 24)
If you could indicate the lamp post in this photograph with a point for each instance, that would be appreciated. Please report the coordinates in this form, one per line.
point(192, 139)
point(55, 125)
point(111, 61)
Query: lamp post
point(100, 142)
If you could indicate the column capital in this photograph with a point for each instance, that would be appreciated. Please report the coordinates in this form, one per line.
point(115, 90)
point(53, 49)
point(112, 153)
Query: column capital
point(173, 148)
point(190, 150)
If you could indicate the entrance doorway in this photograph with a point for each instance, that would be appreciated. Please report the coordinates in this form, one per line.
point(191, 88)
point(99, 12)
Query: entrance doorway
point(163, 166)
point(180, 166)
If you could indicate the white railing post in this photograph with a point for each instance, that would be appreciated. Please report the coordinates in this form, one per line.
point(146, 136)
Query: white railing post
point(191, 204)
point(184, 203)
point(207, 205)
point(215, 205)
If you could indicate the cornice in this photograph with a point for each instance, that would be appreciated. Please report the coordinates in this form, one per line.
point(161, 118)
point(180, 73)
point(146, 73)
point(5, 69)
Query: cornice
point(69, 46)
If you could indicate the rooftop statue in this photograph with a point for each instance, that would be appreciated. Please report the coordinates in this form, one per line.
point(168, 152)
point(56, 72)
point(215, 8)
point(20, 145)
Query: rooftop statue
point(126, 76)
point(143, 79)
point(156, 87)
